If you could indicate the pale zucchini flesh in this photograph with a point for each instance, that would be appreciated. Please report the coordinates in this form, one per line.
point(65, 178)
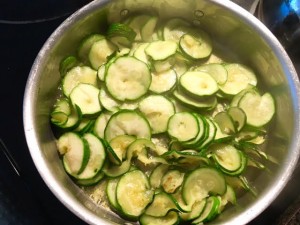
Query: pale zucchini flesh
point(127, 78)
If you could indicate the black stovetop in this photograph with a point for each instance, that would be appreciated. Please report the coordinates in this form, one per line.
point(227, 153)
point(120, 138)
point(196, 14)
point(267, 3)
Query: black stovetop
point(26, 199)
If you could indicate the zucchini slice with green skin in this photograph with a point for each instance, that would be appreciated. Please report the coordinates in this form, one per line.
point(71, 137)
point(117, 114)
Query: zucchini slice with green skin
point(200, 183)
point(196, 45)
point(211, 133)
point(75, 151)
point(174, 28)
point(133, 193)
point(195, 212)
point(198, 84)
point(225, 122)
point(86, 44)
point(140, 54)
point(96, 159)
point(216, 70)
point(92, 181)
point(239, 78)
point(172, 180)
point(157, 109)
point(107, 101)
point(201, 133)
point(163, 82)
point(111, 193)
point(67, 63)
point(77, 75)
point(127, 122)
point(119, 145)
point(136, 23)
point(210, 211)
point(161, 50)
point(160, 206)
point(183, 126)
point(121, 34)
point(62, 105)
point(86, 97)
point(171, 218)
point(197, 104)
point(99, 52)
point(258, 109)
point(148, 28)
point(226, 156)
point(157, 174)
point(101, 123)
point(58, 118)
point(238, 116)
point(127, 78)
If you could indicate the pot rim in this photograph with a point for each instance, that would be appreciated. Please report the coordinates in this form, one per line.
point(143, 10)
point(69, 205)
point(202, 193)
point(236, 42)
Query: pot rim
point(79, 209)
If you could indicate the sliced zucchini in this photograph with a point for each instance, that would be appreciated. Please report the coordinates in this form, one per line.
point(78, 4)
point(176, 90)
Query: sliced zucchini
point(86, 97)
point(127, 78)
point(198, 84)
point(85, 125)
point(108, 102)
point(157, 109)
point(74, 119)
point(133, 193)
point(92, 181)
point(171, 218)
point(111, 193)
point(157, 174)
point(136, 23)
point(239, 78)
point(210, 211)
point(201, 133)
point(238, 116)
point(59, 118)
point(96, 159)
point(174, 28)
point(77, 75)
point(67, 63)
point(161, 50)
point(86, 44)
point(227, 156)
point(119, 145)
point(163, 82)
point(225, 123)
point(75, 152)
point(148, 28)
point(210, 135)
point(101, 72)
point(200, 182)
point(99, 52)
point(183, 126)
point(197, 104)
point(127, 122)
point(216, 70)
point(101, 123)
point(140, 54)
point(220, 135)
point(160, 206)
point(172, 180)
point(196, 45)
point(258, 109)
point(62, 105)
point(121, 34)
point(195, 212)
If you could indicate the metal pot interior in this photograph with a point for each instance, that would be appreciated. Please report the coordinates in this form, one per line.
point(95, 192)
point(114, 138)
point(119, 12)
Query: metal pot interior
point(237, 35)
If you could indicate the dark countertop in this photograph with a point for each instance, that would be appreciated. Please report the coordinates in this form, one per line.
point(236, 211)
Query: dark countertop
point(28, 200)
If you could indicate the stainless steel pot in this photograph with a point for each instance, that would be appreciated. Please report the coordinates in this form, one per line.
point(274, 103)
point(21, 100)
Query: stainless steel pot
point(231, 26)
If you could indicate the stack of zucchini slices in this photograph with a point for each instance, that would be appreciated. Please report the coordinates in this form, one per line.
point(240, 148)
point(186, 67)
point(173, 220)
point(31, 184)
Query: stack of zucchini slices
point(151, 110)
